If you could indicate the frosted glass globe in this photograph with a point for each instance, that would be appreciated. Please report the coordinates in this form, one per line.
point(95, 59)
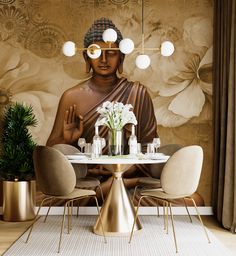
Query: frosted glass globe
point(94, 51)
point(68, 49)
point(126, 46)
point(142, 61)
point(167, 48)
point(109, 35)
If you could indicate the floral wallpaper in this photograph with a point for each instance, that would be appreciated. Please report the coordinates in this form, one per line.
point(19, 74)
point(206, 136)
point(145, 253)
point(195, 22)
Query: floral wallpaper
point(34, 70)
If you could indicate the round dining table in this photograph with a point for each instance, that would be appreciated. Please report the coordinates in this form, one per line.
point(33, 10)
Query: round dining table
point(117, 211)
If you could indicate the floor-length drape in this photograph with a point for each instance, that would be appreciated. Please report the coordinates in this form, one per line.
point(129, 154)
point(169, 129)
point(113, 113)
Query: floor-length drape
point(224, 77)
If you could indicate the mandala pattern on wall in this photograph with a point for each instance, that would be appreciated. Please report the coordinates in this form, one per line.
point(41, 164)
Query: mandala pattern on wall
point(46, 41)
point(37, 18)
point(12, 23)
point(6, 1)
point(119, 1)
point(27, 4)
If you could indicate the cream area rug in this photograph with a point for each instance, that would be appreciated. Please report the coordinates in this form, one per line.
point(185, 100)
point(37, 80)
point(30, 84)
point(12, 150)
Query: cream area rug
point(152, 240)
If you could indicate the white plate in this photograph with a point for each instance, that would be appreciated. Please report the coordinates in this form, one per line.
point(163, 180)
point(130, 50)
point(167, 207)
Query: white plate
point(156, 156)
point(76, 157)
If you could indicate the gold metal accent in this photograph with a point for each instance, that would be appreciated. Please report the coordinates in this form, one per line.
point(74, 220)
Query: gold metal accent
point(200, 219)
point(173, 227)
point(69, 205)
point(117, 212)
point(187, 210)
point(19, 200)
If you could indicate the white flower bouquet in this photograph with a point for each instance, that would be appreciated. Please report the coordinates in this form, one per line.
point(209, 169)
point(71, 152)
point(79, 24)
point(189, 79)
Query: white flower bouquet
point(115, 115)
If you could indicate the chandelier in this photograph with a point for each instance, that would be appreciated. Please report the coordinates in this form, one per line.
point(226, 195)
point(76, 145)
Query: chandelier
point(126, 46)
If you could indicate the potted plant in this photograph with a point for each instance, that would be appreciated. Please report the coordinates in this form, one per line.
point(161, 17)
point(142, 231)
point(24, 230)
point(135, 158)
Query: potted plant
point(16, 163)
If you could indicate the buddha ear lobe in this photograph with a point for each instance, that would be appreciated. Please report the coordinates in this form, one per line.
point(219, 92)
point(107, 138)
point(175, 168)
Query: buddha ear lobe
point(120, 67)
point(87, 62)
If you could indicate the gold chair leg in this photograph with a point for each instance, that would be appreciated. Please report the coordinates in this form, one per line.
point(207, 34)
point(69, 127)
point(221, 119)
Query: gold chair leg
point(135, 218)
point(166, 217)
point(69, 216)
point(62, 226)
point(101, 193)
point(173, 228)
point(100, 218)
point(135, 189)
point(36, 217)
point(77, 214)
point(48, 210)
point(158, 213)
point(186, 207)
point(200, 219)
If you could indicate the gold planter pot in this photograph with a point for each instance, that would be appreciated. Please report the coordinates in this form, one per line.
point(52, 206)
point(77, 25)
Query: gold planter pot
point(19, 200)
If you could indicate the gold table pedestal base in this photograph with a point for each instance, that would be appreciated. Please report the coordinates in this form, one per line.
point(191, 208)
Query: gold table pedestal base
point(117, 212)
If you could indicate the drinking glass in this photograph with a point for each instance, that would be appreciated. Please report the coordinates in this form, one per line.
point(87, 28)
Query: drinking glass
point(103, 144)
point(88, 149)
point(150, 149)
point(157, 143)
point(139, 148)
point(81, 144)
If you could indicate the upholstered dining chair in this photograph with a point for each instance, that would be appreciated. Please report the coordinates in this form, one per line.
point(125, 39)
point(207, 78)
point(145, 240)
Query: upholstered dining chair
point(179, 179)
point(153, 181)
point(56, 179)
point(82, 180)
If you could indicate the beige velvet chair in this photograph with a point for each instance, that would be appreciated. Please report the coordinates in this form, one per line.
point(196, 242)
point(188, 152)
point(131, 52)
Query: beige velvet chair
point(82, 181)
point(56, 178)
point(155, 170)
point(179, 180)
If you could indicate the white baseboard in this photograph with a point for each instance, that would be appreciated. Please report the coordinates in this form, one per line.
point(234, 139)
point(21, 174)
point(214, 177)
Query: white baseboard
point(86, 210)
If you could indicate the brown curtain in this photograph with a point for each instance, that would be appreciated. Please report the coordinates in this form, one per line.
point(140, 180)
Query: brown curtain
point(224, 77)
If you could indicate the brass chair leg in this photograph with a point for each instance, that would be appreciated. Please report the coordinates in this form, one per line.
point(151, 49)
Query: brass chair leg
point(167, 218)
point(62, 226)
point(173, 228)
point(100, 218)
point(101, 193)
point(135, 189)
point(158, 213)
point(77, 214)
point(200, 219)
point(50, 205)
point(186, 207)
point(71, 213)
point(69, 216)
point(135, 218)
point(36, 217)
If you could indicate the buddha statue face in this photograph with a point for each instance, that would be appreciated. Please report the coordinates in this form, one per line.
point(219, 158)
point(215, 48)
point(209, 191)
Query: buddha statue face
point(110, 60)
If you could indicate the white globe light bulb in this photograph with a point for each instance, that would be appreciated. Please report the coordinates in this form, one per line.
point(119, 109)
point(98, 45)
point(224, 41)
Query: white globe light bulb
point(109, 35)
point(167, 48)
point(94, 51)
point(142, 61)
point(126, 46)
point(68, 49)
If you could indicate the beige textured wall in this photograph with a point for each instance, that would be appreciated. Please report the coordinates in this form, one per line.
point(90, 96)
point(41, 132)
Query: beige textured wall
point(33, 69)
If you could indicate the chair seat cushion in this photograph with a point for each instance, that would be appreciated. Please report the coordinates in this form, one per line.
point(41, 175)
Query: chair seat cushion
point(149, 181)
point(87, 182)
point(77, 193)
point(159, 193)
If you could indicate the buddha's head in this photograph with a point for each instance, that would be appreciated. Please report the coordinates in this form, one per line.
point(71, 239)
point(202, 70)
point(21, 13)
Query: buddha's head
point(110, 60)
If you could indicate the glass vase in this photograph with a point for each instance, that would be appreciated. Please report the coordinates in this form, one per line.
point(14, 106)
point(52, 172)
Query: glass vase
point(115, 142)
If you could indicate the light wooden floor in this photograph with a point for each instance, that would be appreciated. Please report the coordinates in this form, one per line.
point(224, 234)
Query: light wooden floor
point(10, 231)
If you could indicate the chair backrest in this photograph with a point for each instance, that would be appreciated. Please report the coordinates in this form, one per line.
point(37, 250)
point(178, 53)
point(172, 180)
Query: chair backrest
point(181, 173)
point(54, 173)
point(66, 149)
point(155, 170)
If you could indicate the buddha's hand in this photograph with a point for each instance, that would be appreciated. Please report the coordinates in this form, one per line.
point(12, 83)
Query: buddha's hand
point(73, 125)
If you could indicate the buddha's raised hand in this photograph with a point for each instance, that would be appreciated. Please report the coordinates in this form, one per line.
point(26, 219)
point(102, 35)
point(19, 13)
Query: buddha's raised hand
point(73, 125)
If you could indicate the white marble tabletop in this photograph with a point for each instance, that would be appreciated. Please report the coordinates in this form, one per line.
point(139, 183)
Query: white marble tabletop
point(124, 159)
